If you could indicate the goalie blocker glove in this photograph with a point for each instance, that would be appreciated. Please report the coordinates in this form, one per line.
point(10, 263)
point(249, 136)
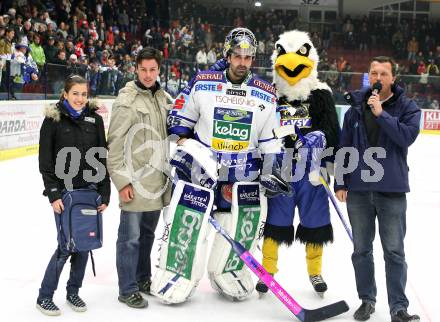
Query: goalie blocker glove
point(195, 163)
point(271, 177)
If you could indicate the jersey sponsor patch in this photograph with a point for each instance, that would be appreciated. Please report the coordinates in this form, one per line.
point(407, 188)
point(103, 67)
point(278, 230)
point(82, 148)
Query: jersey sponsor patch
point(263, 85)
point(234, 100)
point(263, 96)
point(209, 87)
point(236, 92)
point(295, 115)
point(179, 102)
point(209, 76)
point(231, 129)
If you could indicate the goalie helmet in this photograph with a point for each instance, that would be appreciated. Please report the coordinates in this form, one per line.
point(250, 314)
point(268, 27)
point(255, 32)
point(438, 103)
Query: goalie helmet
point(241, 41)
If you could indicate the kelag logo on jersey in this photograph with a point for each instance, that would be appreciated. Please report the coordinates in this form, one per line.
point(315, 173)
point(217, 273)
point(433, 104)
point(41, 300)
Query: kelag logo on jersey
point(209, 87)
point(231, 129)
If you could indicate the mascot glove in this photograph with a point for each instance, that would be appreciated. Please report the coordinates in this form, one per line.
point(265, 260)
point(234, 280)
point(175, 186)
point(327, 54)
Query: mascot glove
point(310, 146)
point(314, 178)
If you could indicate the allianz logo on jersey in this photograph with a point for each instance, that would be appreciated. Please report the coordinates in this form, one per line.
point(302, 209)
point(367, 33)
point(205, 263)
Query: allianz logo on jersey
point(263, 96)
point(209, 87)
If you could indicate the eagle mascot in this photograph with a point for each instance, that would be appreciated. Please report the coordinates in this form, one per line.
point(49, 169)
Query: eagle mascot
point(305, 104)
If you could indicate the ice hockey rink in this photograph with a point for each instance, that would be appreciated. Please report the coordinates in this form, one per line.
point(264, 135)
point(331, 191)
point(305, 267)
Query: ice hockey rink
point(28, 239)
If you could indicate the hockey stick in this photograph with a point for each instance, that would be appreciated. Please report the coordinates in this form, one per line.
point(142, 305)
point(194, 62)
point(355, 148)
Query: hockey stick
point(321, 178)
point(338, 210)
point(301, 313)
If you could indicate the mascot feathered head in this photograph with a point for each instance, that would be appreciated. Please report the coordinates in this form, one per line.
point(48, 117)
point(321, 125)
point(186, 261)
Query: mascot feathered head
point(295, 62)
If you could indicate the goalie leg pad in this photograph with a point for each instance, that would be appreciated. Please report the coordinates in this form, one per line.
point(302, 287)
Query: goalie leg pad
point(184, 243)
point(227, 273)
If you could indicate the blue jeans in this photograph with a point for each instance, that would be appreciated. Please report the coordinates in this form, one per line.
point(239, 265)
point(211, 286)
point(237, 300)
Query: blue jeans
point(133, 249)
point(53, 271)
point(390, 211)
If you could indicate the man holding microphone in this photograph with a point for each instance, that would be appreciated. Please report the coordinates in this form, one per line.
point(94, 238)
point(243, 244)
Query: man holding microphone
point(384, 118)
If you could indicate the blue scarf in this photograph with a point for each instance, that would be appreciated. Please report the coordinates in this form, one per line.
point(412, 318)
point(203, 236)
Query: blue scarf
point(72, 112)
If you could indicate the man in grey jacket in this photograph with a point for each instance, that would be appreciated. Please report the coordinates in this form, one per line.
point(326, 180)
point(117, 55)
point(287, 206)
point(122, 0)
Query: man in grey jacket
point(137, 152)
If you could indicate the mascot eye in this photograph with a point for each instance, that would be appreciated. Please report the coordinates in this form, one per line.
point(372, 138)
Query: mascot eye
point(280, 50)
point(304, 50)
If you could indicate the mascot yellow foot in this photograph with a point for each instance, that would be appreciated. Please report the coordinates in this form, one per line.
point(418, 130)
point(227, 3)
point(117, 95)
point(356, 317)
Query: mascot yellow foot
point(314, 266)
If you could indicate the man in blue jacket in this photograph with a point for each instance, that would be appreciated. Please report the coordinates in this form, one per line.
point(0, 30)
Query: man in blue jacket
point(386, 122)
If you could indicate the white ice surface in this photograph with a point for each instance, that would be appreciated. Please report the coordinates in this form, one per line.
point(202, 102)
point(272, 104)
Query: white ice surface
point(28, 239)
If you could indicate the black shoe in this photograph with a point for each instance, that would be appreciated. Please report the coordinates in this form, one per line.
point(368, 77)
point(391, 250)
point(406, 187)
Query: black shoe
point(261, 287)
point(144, 287)
point(364, 311)
point(76, 303)
point(134, 300)
point(403, 316)
point(48, 307)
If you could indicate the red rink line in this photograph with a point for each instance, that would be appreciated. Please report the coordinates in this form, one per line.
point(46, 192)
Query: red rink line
point(425, 312)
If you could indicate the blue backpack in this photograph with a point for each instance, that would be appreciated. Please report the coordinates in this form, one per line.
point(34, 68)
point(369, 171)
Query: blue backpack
point(79, 226)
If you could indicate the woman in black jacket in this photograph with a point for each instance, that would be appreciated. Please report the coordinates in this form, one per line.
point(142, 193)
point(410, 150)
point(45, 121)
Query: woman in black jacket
point(72, 142)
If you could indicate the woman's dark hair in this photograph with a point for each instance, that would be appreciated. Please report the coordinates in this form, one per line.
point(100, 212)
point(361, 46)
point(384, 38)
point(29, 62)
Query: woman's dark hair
point(70, 82)
point(149, 53)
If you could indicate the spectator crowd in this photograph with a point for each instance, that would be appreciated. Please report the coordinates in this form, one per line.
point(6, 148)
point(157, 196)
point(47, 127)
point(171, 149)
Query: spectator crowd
point(99, 39)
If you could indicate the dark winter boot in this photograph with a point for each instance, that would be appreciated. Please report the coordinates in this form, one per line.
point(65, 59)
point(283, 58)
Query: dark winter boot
point(364, 311)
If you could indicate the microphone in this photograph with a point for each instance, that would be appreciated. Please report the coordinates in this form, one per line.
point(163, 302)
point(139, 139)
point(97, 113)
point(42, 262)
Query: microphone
point(377, 87)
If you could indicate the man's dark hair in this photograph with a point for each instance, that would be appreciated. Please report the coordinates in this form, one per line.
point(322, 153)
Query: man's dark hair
point(386, 59)
point(149, 53)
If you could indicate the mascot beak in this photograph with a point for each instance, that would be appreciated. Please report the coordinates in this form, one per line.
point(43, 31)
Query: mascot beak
point(293, 67)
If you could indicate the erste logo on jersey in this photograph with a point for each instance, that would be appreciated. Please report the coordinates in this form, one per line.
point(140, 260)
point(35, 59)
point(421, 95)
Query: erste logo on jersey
point(209, 87)
point(231, 129)
point(263, 96)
